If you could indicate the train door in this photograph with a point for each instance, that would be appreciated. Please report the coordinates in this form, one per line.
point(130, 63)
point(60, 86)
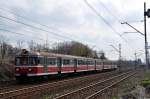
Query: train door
point(75, 65)
point(103, 63)
point(59, 64)
point(45, 64)
point(86, 63)
point(95, 64)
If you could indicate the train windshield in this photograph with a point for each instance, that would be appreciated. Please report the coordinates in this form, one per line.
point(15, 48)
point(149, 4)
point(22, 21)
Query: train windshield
point(25, 61)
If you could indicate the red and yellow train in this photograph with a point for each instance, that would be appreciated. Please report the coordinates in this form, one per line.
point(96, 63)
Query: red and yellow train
point(38, 64)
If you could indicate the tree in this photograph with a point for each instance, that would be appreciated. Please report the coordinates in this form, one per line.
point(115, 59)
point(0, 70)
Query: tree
point(3, 49)
point(20, 44)
point(73, 48)
point(31, 45)
point(101, 55)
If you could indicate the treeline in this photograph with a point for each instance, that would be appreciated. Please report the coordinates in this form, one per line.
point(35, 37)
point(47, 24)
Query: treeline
point(68, 48)
point(8, 52)
point(74, 48)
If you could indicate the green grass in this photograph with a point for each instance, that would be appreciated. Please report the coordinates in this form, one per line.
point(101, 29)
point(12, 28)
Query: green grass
point(145, 83)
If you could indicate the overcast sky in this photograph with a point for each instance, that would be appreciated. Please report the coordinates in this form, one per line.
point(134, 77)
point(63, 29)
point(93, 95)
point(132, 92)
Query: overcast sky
point(73, 19)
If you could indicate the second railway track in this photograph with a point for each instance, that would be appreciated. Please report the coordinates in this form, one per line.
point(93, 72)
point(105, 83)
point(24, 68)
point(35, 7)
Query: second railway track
point(19, 92)
point(29, 92)
point(94, 91)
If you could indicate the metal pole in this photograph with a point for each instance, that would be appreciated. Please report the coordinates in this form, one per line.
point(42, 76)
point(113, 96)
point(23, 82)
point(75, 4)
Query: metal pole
point(119, 51)
point(135, 59)
point(120, 57)
point(146, 52)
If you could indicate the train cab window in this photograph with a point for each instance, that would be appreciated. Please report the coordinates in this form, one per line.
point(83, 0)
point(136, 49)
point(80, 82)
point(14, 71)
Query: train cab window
point(41, 60)
point(22, 61)
point(51, 61)
point(33, 61)
point(66, 62)
point(26, 60)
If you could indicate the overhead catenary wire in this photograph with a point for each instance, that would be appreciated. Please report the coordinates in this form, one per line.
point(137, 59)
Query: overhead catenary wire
point(21, 34)
point(25, 30)
point(35, 22)
point(28, 19)
point(105, 21)
point(32, 26)
point(23, 17)
point(117, 18)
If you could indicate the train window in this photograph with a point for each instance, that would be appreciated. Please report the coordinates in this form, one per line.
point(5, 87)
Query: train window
point(99, 62)
point(79, 62)
point(66, 62)
point(17, 61)
point(90, 62)
point(72, 62)
point(82, 62)
point(33, 61)
point(22, 61)
point(51, 61)
point(41, 60)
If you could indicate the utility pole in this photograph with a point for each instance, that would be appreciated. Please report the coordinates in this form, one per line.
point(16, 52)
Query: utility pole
point(119, 51)
point(46, 43)
point(146, 13)
point(145, 32)
point(135, 60)
point(120, 57)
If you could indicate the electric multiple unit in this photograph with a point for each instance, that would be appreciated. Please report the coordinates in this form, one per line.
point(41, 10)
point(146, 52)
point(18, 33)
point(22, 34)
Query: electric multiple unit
point(31, 64)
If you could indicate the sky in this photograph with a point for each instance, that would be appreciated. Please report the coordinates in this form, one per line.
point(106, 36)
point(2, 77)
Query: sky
point(66, 20)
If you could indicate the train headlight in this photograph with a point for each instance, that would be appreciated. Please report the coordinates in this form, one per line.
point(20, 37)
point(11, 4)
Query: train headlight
point(17, 69)
point(29, 69)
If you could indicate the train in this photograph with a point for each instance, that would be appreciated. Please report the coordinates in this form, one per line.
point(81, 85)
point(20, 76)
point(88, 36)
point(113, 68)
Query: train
point(30, 64)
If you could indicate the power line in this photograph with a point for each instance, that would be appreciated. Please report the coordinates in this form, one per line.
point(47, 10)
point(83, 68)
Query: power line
point(5, 30)
point(31, 31)
point(117, 18)
point(104, 20)
point(28, 19)
point(31, 26)
point(101, 3)
point(23, 17)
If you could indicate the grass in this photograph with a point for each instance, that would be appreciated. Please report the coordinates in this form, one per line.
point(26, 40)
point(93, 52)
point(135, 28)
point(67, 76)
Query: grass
point(146, 81)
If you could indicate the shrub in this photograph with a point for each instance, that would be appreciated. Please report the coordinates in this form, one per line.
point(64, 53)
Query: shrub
point(145, 83)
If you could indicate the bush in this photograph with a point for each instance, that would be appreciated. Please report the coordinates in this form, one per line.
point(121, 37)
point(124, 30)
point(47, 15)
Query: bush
point(6, 72)
point(145, 83)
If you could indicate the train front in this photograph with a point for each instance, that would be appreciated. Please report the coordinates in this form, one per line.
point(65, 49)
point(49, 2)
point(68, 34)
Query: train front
point(26, 65)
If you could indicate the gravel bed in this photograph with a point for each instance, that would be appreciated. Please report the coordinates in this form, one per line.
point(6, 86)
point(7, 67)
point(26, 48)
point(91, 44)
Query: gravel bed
point(73, 87)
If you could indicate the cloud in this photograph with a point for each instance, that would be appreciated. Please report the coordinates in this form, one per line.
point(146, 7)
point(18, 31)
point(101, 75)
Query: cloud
point(76, 20)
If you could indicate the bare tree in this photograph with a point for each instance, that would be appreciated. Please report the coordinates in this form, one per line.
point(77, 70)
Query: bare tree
point(32, 45)
point(3, 49)
point(74, 48)
point(20, 44)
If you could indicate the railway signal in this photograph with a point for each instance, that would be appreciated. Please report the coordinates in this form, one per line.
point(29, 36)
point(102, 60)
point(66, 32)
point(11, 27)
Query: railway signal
point(147, 13)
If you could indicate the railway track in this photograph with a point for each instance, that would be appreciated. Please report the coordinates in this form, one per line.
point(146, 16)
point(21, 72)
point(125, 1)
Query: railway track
point(95, 90)
point(46, 87)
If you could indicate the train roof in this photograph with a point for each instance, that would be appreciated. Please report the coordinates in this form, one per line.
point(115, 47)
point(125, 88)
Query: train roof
point(48, 54)
point(54, 55)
